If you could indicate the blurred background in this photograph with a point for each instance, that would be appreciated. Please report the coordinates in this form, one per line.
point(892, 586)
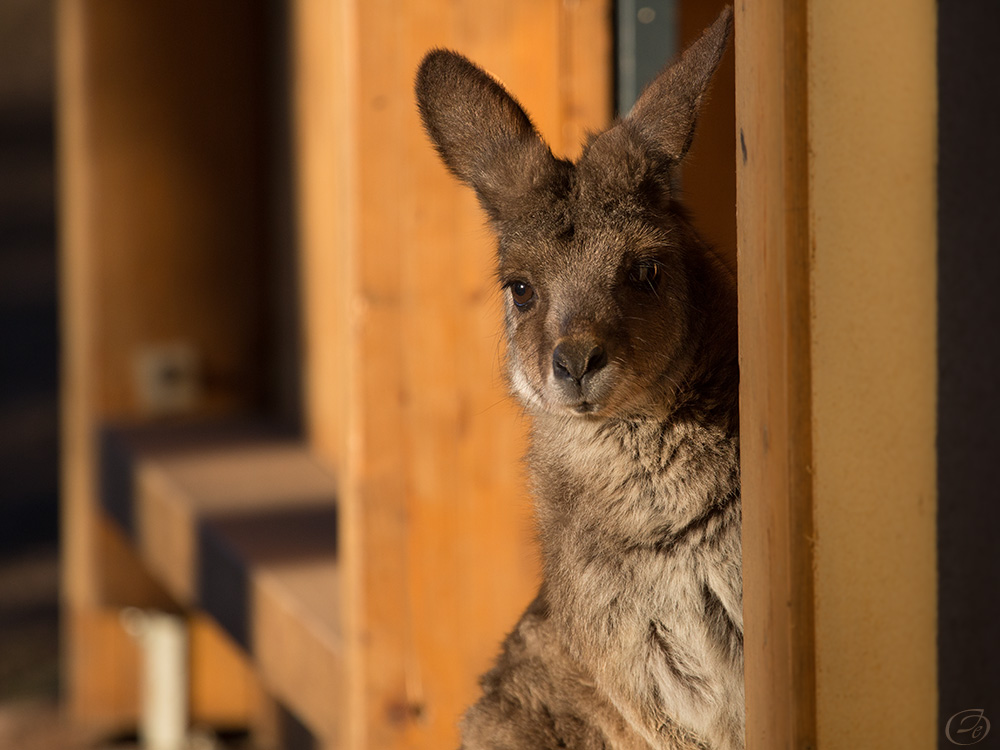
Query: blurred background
point(218, 225)
point(29, 377)
point(260, 480)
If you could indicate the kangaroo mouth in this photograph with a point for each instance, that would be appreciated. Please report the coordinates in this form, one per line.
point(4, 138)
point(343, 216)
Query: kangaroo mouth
point(585, 407)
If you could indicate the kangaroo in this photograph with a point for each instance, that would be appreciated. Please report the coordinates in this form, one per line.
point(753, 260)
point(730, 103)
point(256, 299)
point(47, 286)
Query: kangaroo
point(621, 332)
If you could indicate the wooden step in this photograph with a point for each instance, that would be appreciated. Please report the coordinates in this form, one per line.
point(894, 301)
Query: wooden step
point(238, 521)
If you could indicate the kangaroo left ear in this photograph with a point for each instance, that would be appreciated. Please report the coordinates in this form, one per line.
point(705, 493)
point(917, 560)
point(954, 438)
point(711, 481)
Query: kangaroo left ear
point(666, 112)
point(482, 134)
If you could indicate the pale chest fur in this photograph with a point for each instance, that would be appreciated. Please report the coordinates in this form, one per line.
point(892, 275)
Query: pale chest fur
point(640, 527)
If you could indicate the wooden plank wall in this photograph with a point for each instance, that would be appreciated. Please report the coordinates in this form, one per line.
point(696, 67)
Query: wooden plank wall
point(403, 362)
point(160, 182)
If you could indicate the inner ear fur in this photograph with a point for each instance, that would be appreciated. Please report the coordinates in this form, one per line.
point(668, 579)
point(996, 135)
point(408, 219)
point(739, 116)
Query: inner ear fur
point(481, 132)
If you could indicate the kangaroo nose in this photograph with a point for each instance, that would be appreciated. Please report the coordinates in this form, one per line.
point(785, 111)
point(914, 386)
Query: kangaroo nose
point(573, 360)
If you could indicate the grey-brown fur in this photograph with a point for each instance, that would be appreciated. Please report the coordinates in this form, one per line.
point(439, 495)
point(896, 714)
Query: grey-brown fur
point(621, 329)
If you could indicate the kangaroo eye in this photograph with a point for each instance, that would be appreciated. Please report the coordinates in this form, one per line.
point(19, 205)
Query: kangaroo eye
point(521, 292)
point(645, 275)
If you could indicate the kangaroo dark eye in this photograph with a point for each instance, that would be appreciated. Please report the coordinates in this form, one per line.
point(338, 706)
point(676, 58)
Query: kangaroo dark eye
point(645, 275)
point(521, 292)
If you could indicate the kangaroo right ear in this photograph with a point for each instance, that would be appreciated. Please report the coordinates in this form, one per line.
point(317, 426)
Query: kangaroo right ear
point(482, 133)
point(668, 108)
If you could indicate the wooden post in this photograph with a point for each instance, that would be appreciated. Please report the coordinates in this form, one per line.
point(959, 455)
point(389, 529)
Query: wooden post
point(775, 397)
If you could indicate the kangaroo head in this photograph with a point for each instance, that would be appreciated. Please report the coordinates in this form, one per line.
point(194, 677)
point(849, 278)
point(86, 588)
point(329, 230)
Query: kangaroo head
point(606, 285)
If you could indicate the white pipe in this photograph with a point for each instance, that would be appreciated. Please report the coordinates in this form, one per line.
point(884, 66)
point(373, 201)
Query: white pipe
point(163, 646)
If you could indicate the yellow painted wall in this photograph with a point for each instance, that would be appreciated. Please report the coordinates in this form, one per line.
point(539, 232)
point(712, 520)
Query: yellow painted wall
point(872, 134)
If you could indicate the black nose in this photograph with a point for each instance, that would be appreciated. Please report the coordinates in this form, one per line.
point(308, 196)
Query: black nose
point(574, 360)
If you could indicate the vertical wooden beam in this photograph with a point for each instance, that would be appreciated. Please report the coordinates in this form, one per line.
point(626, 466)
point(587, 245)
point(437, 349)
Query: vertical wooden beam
point(773, 215)
point(324, 153)
point(406, 398)
point(325, 165)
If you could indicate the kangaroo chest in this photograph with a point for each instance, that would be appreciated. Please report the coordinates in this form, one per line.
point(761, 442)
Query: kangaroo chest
point(640, 525)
